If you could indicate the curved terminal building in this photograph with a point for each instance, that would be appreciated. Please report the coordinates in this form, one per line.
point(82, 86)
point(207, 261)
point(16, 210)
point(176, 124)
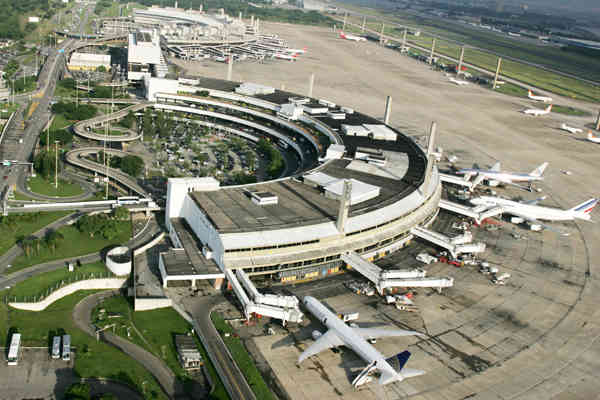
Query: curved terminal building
point(368, 188)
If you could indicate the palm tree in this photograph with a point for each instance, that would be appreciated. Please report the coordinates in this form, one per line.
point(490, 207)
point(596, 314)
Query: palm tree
point(53, 238)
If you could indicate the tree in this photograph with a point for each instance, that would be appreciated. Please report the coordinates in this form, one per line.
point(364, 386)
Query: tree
point(132, 165)
point(78, 391)
point(44, 163)
point(121, 213)
point(128, 120)
point(101, 68)
point(147, 122)
point(53, 238)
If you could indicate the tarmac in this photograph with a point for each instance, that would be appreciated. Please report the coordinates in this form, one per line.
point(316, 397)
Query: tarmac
point(536, 337)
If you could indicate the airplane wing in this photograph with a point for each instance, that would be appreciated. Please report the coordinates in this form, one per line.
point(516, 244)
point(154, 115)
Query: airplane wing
point(374, 333)
point(326, 341)
point(538, 222)
point(534, 201)
point(496, 167)
point(480, 178)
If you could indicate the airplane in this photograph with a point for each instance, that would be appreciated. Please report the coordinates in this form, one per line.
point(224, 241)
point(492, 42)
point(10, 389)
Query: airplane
point(282, 56)
point(529, 211)
point(459, 82)
point(570, 129)
point(339, 334)
point(545, 99)
point(536, 112)
point(592, 138)
point(495, 175)
point(222, 59)
point(352, 37)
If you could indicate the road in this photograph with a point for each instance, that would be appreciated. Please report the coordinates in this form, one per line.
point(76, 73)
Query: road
point(82, 316)
point(81, 128)
point(88, 188)
point(230, 374)
point(76, 157)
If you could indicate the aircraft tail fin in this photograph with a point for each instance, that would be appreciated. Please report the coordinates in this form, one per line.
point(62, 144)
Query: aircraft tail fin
point(399, 360)
point(583, 210)
point(549, 108)
point(529, 93)
point(539, 171)
point(591, 135)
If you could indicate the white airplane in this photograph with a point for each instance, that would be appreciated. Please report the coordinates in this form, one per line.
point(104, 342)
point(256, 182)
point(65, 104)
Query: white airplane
point(592, 138)
point(570, 129)
point(348, 36)
point(282, 56)
point(340, 334)
point(545, 99)
point(536, 112)
point(532, 213)
point(459, 82)
point(494, 176)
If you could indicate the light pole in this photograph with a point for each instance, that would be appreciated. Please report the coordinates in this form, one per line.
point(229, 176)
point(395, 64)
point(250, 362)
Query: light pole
point(48, 135)
point(56, 165)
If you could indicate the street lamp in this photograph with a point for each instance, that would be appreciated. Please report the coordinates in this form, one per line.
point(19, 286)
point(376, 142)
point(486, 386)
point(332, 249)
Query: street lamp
point(56, 165)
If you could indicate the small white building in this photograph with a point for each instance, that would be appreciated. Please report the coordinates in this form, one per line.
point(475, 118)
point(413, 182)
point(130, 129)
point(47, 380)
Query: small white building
point(290, 111)
point(335, 151)
point(159, 85)
point(34, 20)
point(89, 62)
point(253, 89)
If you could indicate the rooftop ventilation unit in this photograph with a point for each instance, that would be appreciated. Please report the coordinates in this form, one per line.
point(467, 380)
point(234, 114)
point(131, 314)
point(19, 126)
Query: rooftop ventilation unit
point(264, 198)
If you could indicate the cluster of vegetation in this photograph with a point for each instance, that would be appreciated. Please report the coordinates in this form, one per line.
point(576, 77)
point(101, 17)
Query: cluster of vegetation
point(130, 164)
point(11, 11)
point(11, 67)
point(242, 358)
point(82, 391)
point(128, 121)
point(234, 7)
point(14, 227)
point(25, 85)
point(274, 157)
point(74, 112)
point(101, 225)
point(45, 163)
point(64, 136)
point(161, 124)
point(101, 5)
point(33, 245)
point(242, 178)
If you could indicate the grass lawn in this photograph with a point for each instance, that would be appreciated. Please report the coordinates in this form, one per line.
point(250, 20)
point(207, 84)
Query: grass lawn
point(21, 196)
point(157, 338)
point(569, 111)
point(15, 226)
point(41, 283)
point(74, 244)
point(511, 90)
point(60, 122)
point(65, 189)
point(242, 359)
point(93, 359)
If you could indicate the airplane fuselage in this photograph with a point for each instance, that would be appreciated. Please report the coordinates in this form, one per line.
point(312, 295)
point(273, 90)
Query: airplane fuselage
point(531, 211)
point(347, 335)
point(501, 176)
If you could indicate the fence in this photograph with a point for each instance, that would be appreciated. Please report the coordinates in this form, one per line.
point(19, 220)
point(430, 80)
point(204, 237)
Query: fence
point(43, 294)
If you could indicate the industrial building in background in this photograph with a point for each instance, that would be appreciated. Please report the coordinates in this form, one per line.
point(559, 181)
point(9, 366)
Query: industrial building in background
point(89, 62)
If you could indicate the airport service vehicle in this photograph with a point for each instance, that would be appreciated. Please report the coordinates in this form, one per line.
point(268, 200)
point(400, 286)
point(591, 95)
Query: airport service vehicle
point(339, 334)
point(355, 38)
point(532, 213)
point(348, 316)
point(14, 350)
point(536, 112)
point(592, 138)
point(545, 99)
point(570, 129)
point(426, 258)
point(282, 56)
point(458, 82)
point(66, 347)
point(495, 176)
point(56, 347)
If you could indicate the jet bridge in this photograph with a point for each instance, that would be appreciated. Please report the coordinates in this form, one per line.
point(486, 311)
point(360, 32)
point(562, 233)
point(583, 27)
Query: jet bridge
point(393, 278)
point(284, 308)
point(446, 242)
point(478, 213)
point(457, 180)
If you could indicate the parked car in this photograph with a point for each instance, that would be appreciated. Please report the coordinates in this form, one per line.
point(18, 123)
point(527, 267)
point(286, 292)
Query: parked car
point(426, 258)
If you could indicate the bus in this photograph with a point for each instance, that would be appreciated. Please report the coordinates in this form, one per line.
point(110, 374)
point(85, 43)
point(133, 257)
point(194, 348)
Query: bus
point(15, 349)
point(127, 200)
point(66, 347)
point(56, 347)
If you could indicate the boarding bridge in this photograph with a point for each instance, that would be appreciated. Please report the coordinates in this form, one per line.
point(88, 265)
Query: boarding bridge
point(457, 180)
point(284, 308)
point(478, 213)
point(239, 291)
point(394, 278)
point(446, 242)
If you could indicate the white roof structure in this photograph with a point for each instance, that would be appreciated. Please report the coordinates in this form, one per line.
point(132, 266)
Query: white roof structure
point(159, 85)
point(355, 130)
point(252, 89)
point(360, 191)
point(335, 151)
point(143, 48)
point(174, 14)
point(89, 59)
point(381, 132)
point(319, 179)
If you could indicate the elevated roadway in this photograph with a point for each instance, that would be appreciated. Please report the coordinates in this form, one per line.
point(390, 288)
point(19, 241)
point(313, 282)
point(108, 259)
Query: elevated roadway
point(76, 157)
point(85, 128)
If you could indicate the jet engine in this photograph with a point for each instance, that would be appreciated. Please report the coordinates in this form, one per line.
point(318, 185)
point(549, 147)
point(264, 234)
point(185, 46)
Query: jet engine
point(517, 220)
point(316, 335)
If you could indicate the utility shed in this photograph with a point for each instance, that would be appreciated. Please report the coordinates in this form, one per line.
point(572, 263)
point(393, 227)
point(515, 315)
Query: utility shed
point(187, 352)
point(360, 191)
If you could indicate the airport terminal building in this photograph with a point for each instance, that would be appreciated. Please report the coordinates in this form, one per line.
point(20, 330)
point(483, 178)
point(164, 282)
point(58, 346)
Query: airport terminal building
point(365, 196)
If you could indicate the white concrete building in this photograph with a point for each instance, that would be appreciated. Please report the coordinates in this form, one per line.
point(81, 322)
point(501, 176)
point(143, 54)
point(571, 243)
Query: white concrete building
point(144, 56)
point(89, 62)
point(153, 86)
